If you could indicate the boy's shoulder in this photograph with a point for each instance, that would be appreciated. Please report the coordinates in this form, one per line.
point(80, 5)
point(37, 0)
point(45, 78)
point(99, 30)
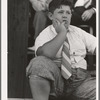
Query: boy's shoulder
point(75, 28)
point(48, 29)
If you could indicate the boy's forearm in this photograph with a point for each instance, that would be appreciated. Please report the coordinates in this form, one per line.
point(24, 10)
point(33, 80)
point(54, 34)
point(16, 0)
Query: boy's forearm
point(51, 48)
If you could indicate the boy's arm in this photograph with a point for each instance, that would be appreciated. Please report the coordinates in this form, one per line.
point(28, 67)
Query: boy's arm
point(90, 41)
point(51, 48)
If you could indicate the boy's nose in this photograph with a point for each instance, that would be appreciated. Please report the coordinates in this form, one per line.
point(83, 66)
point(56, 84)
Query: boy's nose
point(65, 15)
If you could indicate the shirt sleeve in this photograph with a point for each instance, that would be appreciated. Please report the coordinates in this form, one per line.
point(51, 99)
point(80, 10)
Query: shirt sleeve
point(43, 38)
point(90, 41)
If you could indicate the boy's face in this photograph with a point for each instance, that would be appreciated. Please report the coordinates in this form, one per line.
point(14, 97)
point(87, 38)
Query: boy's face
point(62, 14)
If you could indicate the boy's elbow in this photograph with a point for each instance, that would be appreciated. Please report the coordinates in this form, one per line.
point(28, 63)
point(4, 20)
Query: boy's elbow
point(44, 53)
point(39, 52)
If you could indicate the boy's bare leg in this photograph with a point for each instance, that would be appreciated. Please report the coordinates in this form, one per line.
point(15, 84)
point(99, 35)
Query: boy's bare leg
point(40, 88)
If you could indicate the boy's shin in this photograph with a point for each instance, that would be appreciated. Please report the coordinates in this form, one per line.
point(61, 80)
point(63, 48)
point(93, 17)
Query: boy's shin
point(40, 88)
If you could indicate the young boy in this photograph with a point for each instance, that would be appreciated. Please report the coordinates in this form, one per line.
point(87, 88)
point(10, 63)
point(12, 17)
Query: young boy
point(44, 71)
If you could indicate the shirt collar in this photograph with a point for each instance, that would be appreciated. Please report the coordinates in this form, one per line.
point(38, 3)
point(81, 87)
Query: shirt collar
point(53, 29)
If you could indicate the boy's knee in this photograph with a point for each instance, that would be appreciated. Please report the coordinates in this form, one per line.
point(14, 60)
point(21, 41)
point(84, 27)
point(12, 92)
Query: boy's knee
point(41, 66)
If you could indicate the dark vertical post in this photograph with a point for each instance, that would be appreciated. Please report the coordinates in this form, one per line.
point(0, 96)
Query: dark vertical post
point(17, 46)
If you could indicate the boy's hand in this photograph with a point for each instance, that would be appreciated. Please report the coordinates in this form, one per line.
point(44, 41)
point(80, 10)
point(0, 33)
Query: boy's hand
point(59, 27)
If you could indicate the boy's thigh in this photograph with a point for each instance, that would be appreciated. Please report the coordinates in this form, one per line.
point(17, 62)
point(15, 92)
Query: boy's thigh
point(87, 90)
point(44, 67)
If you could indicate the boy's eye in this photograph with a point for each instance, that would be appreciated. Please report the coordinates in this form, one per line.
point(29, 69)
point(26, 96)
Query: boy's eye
point(60, 12)
point(68, 12)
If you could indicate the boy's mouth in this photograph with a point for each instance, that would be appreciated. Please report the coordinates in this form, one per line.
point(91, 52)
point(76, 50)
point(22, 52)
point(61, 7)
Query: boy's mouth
point(66, 22)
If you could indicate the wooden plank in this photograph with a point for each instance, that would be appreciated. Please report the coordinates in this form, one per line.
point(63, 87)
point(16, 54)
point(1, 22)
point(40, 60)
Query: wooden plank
point(17, 46)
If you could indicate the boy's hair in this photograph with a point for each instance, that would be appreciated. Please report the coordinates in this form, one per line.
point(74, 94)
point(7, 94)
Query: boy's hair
point(54, 4)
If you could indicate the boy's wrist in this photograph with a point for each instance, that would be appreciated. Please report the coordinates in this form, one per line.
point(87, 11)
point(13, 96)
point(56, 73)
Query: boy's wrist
point(63, 34)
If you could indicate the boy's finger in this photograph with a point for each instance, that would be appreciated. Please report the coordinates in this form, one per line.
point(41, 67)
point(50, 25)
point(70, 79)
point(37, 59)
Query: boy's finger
point(58, 22)
point(63, 23)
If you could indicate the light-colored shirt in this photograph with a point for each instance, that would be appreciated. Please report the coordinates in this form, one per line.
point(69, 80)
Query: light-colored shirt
point(79, 42)
point(85, 3)
point(40, 5)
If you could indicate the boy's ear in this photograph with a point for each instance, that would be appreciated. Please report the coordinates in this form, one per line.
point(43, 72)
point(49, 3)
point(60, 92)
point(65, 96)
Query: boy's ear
point(50, 15)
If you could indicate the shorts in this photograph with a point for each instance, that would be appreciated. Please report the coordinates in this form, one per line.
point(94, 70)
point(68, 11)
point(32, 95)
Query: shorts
point(80, 84)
